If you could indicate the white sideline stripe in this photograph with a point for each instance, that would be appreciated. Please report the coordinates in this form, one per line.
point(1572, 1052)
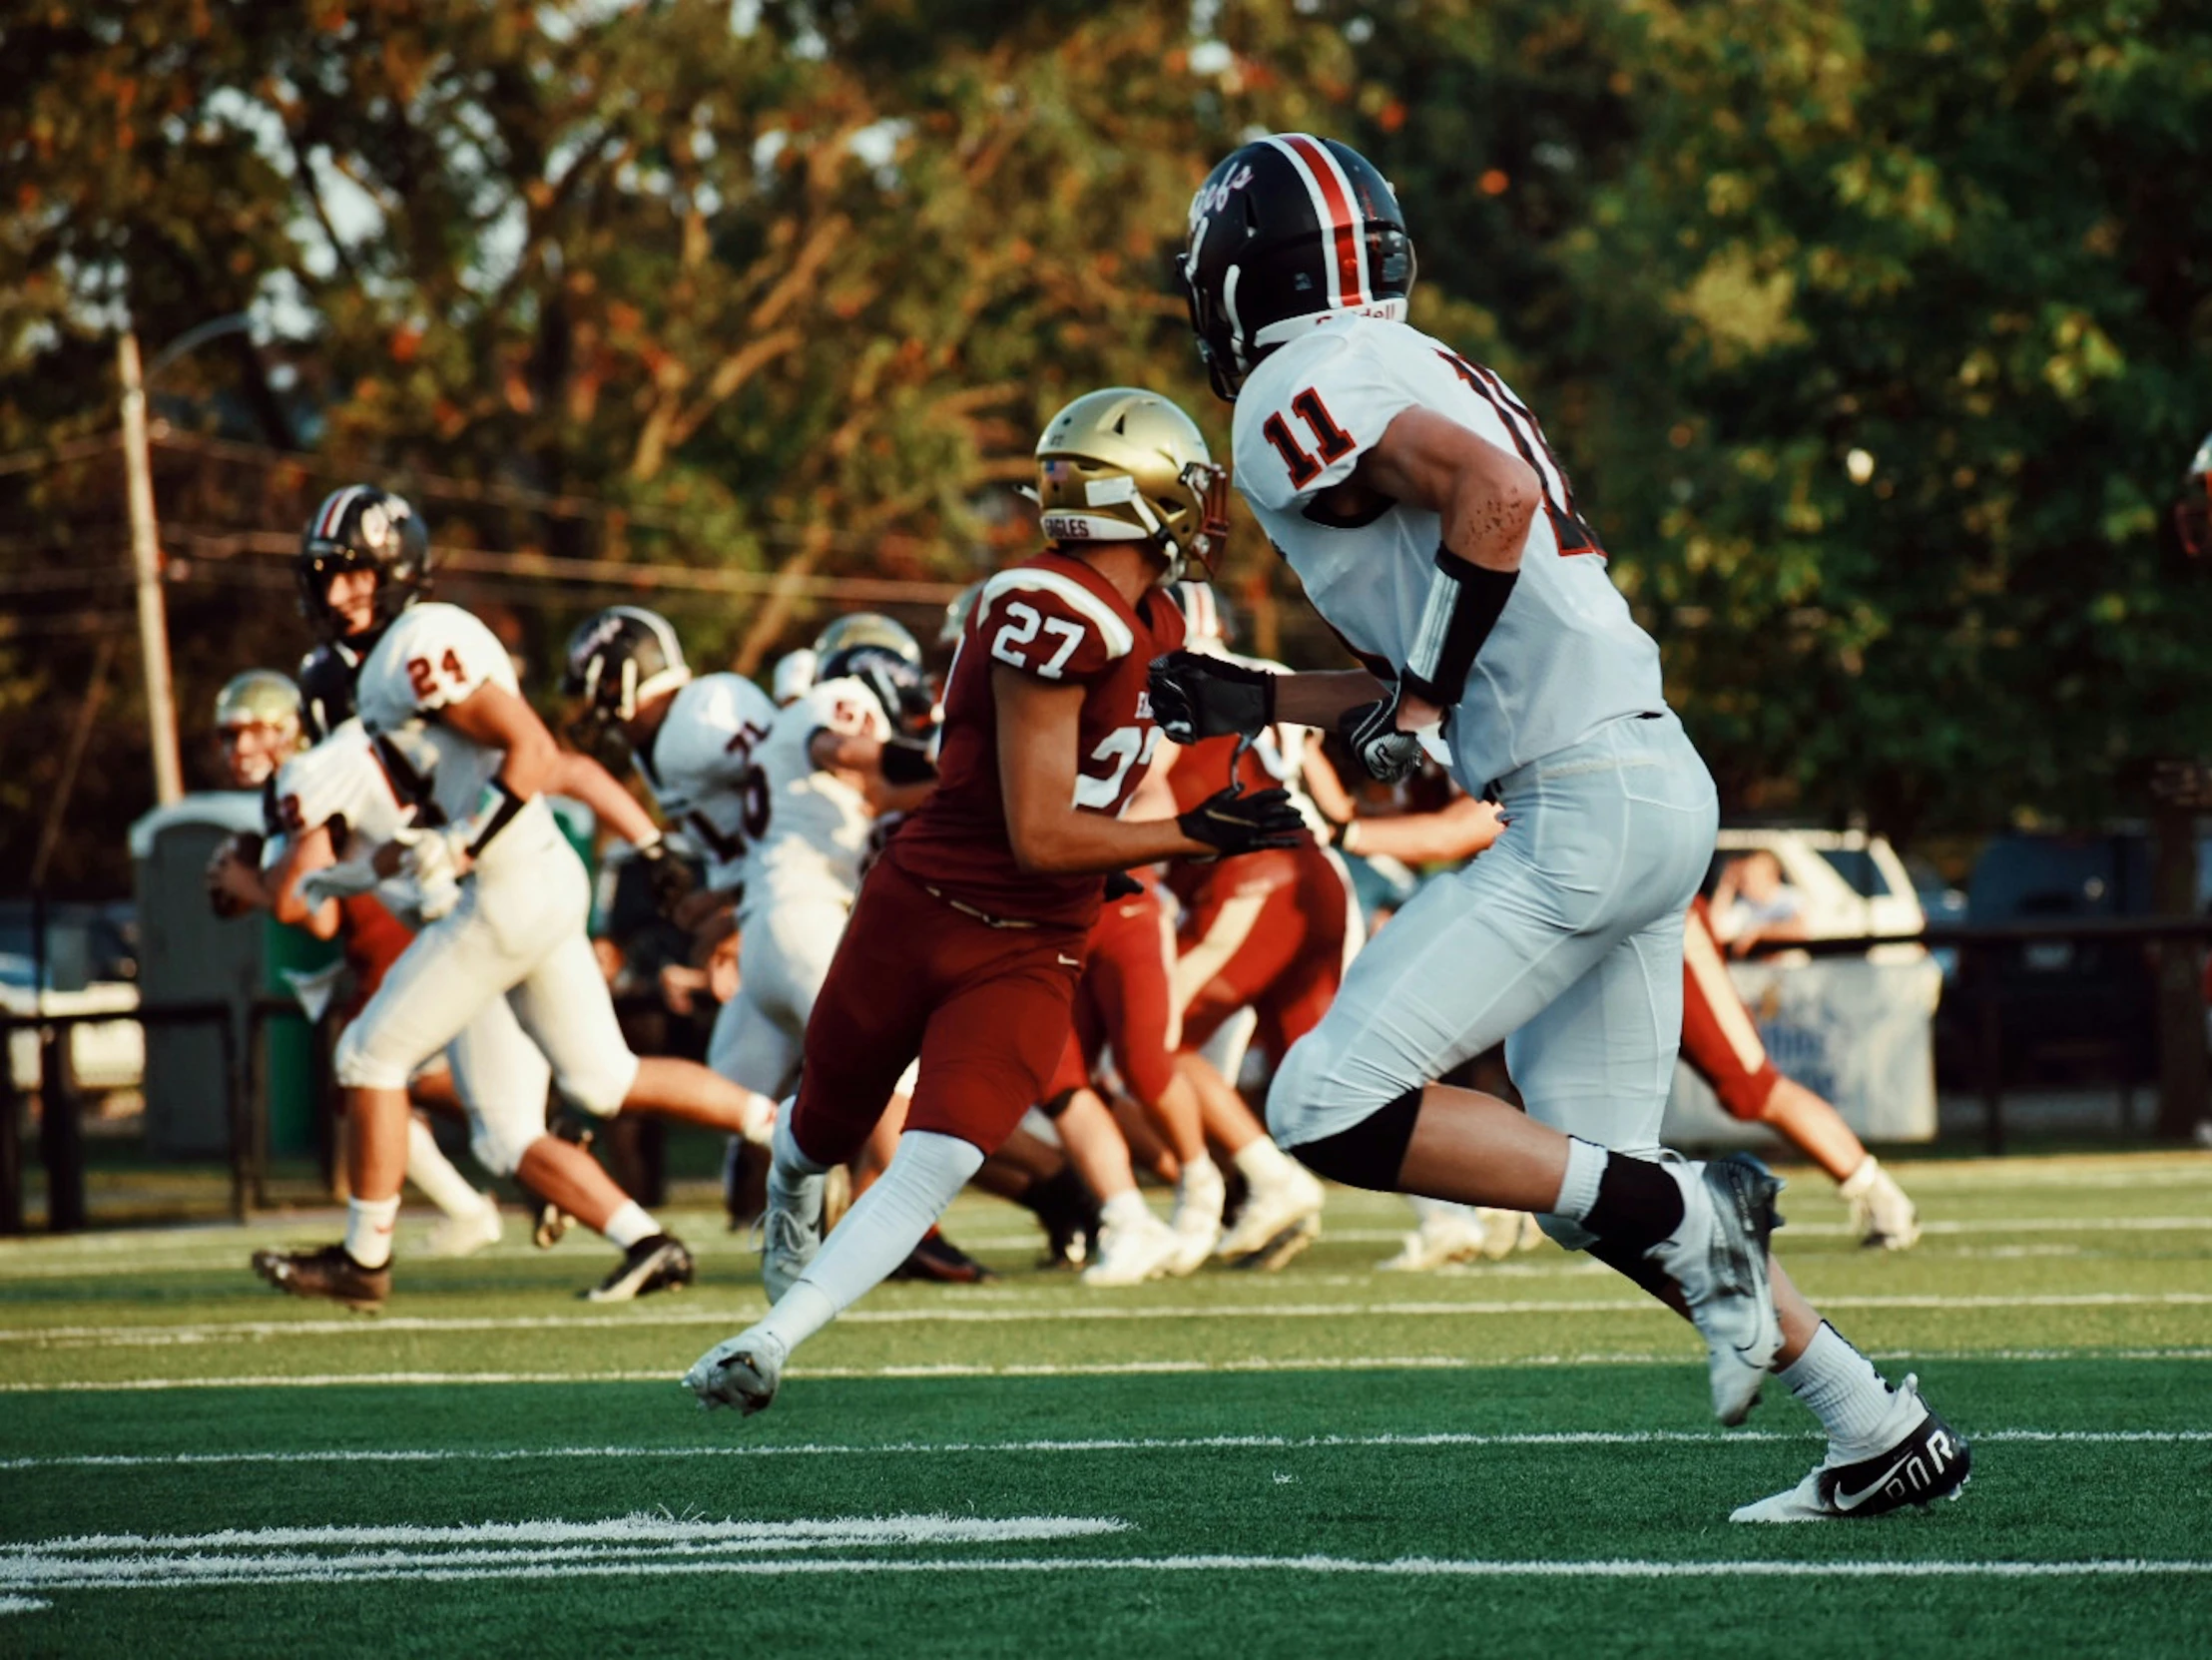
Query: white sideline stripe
point(1182, 1443)
point(1111, 1368)
point(22, 1604)
point(167, 1336)
point(204, 1257)
point(643, 1528)
point(171, 1573)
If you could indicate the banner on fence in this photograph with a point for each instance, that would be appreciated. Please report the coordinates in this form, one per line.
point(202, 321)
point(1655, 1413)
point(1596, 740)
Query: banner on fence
point(1860, 1033)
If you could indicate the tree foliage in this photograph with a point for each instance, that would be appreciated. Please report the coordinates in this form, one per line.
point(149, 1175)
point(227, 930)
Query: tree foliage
point(790, 288)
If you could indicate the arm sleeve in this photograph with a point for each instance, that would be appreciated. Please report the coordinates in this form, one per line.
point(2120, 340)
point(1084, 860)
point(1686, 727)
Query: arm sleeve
point(1050, 627)
point(1324, 402)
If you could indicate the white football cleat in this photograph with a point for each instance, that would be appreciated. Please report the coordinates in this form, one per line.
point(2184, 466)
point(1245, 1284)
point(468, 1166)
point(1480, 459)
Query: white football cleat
point(1444, 1237)
point(790, 1229)
point(742, 1372)
point(466, 1234)
point(1718, 1257)
point(1924, 1460)
point(1196, 1219)
point(1135, 1250)
point(1881, 1214)
point(1278, 1222)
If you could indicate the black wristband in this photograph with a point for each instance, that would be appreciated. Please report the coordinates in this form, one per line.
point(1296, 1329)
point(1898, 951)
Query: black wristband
point(1464, 604)
point(501, 816)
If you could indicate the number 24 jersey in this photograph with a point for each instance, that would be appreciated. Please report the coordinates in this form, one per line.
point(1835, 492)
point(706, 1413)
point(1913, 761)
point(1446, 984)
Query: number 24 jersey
point(1056, 620)
point(1565, 657)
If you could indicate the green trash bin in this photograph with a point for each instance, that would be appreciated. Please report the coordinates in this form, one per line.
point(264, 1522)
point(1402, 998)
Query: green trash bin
point(289, 1058)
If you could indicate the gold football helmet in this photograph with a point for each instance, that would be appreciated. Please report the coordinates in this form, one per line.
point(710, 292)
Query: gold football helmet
point(256, 723)
point(1125, 466)
point(867, 627)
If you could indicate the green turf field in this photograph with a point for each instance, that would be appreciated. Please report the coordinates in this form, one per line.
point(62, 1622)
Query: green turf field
point(1510, 1458)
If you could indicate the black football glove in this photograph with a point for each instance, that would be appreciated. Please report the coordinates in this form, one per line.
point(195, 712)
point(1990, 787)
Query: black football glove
point(1371, 730)
point(1236, 821)
point(671, 878)
point(906, 761)
point(1195, 695)
point(1120, 884)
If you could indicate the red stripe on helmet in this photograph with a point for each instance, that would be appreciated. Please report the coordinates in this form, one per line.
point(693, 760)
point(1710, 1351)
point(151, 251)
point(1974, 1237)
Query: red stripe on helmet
point(1343, 212)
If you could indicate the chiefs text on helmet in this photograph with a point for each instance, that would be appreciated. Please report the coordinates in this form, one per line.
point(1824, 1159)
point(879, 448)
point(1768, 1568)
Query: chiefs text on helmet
point(1288, 230)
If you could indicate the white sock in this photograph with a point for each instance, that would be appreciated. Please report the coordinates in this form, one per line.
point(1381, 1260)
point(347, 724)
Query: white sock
point(630, 1224)
point(1440, 1210)
point(784, 1146)
point(1844, 1392)
point(368, 1226)
point(760, 1119)
point(1857, 1183)
point(1578, 1188)
point(878, 1234)
point(432, 1171)
point(1263, 1164)
point(1201, 1177)
point(1125, 1209)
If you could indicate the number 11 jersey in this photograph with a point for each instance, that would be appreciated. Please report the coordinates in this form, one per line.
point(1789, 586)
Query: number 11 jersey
point(1565, 657)
point(1056, 620)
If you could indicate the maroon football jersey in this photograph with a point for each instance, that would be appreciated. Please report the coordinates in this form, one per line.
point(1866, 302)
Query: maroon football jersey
point(1054, 618)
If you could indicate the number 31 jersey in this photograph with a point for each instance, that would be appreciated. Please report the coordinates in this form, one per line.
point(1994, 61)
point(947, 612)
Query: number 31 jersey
point(700, 769)
point(1565, 657)
point(1056, 620)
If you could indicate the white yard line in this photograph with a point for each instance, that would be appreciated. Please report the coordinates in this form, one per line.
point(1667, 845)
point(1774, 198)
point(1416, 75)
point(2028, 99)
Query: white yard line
point(1106, 1369)
point(1177, 1444)
point(1055, 1310)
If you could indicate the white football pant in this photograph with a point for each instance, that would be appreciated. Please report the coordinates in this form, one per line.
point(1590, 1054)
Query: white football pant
point(518, 932)
point(1564, 941)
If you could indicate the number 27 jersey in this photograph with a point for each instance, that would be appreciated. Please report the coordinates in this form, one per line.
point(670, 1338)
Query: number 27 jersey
point(1056, 620)
point(1565, 656)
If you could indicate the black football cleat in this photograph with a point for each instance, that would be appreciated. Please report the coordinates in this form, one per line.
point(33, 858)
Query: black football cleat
point(1929, 1461)
point(937, 1257)
point(659, 1262)
point(329, 1273)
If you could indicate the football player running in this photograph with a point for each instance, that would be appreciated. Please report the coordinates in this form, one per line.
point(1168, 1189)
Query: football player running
point(969, 938)
point(265, 725)
point(1416, 499)
point(503, 898)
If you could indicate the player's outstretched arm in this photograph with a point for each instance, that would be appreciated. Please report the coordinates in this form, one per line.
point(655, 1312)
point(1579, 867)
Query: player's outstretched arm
point(1458, 830)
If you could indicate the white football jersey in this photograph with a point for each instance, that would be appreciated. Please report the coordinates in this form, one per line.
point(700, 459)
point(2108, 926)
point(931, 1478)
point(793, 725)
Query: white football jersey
point(430, 657)
point(1564, 658)
point(816, 830)
point(700, 769)
point(341, 782)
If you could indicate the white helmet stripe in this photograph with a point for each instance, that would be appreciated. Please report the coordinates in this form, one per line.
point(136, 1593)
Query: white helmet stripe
point(334, 510)
point(1322, 214)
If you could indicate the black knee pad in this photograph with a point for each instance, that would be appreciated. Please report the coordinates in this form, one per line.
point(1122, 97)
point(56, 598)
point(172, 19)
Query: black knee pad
point(1058, 1104)
point(1371, 1151)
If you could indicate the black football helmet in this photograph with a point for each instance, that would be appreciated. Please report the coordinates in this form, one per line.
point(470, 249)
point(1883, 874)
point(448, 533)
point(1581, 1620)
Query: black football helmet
point(326, 677)
point(897, 685)
point(2193, 512)
point(619, 660)
point(1287, 230)
point(362, 528)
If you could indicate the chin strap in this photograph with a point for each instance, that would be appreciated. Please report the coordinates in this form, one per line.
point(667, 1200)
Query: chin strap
point(1465, 603)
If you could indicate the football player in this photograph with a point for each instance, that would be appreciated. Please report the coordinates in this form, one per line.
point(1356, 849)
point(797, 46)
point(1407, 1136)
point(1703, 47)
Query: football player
point(1414, 495)
point(969, 938)
point(503, 897)
point(264, 724)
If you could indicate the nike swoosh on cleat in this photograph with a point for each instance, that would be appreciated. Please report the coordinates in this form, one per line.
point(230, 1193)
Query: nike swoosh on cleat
point(1851, 1502)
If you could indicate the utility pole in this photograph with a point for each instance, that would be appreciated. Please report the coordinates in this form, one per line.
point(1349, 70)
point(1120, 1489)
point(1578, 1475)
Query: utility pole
point(145, 564)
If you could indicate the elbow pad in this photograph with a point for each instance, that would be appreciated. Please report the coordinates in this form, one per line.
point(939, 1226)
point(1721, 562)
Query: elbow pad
point(1465, 603)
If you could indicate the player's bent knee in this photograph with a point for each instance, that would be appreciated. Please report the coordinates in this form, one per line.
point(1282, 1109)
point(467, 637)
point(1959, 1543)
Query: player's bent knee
point(1369, 1154)
point(601, 1090)
point(499, 1147)
point(356, 1066)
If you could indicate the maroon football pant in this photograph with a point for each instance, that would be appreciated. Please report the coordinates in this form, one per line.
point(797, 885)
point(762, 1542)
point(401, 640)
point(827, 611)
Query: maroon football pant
point(984, 1008)
point(1268, 936)
point(1125, 1000)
